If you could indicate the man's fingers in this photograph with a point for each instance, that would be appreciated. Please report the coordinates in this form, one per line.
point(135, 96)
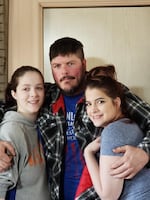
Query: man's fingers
point(121, 169)
point(6, 151)
point(4, 166)
point(120, 149)
point(6, 155)
point(117, 168)
point(10, 149)
point(124, 174)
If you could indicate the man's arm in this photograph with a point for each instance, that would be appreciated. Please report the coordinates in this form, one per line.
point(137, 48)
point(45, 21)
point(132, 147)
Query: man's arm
point(6, 154)
point(131, 163)
point(139, 111)
point(6, 149)
point(134, 159)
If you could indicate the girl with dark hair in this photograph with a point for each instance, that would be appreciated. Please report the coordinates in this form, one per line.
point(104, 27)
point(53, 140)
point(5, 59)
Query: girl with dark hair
point(28, 172)
point(106, 107)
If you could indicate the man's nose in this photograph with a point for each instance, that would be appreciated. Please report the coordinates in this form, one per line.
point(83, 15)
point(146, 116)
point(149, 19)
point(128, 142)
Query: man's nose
point(65, 69)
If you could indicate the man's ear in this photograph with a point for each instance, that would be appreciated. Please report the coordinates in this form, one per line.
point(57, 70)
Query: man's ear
point(84, 63)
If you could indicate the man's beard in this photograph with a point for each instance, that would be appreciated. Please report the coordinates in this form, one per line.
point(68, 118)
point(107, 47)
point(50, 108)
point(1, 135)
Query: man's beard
point(74, 90)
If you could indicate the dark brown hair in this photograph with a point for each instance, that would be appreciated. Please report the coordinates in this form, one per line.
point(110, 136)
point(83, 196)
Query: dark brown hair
point(65, 46)
point(104, 70)
point(12, 85)
point(110, 86)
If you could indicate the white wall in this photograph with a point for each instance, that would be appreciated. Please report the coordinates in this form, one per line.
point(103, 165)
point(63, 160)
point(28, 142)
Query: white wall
point(121, 37)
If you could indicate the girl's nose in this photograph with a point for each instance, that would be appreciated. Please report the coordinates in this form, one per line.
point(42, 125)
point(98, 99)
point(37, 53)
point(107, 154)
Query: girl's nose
point(94, 108)
point(33, 92)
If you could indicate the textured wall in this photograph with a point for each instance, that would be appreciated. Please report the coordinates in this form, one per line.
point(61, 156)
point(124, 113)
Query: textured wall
point(3, 46)
point(118, 35)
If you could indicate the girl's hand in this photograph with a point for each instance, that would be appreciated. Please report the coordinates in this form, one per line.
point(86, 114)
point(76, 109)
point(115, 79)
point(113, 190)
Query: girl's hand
point(93, 147)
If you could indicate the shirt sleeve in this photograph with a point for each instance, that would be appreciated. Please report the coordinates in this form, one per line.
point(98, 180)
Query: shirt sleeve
point(118, 134)
point(139, 110)
point(9, 178)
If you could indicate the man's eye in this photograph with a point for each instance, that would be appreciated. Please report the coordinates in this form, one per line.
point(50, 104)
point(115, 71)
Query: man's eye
point(70, 64)
point(55, 66)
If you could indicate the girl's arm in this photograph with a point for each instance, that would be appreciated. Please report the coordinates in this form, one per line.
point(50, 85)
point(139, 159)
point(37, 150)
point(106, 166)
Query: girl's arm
point(107, 187)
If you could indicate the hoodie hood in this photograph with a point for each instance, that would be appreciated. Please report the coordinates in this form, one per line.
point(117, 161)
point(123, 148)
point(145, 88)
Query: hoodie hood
point(13, 116)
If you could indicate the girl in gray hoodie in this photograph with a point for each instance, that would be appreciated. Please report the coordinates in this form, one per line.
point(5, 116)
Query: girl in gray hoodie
point(28, 172)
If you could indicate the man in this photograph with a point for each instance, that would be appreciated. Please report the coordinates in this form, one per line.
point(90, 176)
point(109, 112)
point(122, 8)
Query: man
point(66, 129)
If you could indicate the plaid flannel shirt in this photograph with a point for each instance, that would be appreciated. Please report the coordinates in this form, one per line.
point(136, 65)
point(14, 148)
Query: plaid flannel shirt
point(52, 124)
point(139, 110)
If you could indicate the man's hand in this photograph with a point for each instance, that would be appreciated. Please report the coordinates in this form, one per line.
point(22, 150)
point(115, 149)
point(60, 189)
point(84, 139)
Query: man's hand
point(133, 160)
point(6, 154)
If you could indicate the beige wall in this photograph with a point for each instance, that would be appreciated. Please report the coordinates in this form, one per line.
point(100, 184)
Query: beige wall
point(26, 42)
point(25, 34)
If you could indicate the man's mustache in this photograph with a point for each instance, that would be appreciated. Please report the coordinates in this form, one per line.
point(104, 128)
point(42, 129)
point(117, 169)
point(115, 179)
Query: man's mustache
point(67, 77)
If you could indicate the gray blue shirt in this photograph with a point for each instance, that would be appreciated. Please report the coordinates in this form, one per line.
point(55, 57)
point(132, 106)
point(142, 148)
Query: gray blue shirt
point(125, 132)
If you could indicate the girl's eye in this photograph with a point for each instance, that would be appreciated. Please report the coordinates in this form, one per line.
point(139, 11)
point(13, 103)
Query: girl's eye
point(39, 88)
point(87, 104)
point(26, 89)
point(100, 101)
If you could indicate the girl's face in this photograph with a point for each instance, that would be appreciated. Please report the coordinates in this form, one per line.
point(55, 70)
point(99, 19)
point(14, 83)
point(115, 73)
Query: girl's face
point(101, 109)
point(29, 94)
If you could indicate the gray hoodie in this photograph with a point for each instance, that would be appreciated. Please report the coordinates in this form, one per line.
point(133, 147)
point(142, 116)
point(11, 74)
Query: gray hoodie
point(28, 171)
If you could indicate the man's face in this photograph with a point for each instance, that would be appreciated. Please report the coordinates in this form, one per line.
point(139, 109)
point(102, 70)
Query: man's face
point(69, 73)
